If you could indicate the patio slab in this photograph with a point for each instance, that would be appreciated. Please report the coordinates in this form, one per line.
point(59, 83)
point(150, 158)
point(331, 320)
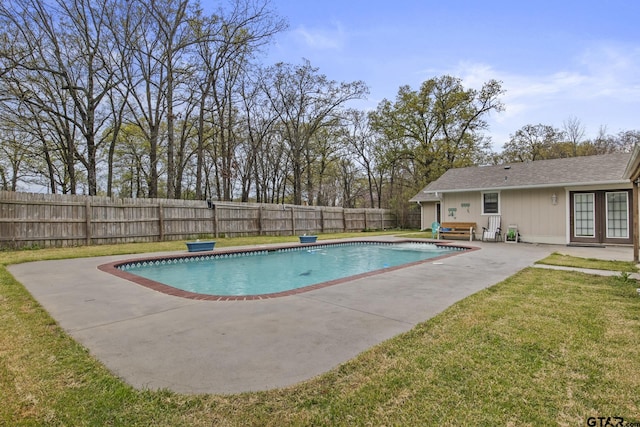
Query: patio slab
point(153, 340)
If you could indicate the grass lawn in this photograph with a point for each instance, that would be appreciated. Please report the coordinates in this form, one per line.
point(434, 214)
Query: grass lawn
point(543, 347)
point(571, 261)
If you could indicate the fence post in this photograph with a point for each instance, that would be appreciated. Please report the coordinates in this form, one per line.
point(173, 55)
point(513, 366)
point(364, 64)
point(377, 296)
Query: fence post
point(365, 219)
point(293, 221)
point(160, 222)
point(322, 220)
point(344, 220)
point(215, 221)
point(260, 216)
point(88, 213)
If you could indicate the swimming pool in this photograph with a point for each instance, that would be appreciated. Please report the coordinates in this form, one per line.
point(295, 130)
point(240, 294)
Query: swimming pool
point(273, 272)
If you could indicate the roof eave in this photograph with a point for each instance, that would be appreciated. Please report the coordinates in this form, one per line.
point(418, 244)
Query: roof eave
point(632, 171)
point(529, 187)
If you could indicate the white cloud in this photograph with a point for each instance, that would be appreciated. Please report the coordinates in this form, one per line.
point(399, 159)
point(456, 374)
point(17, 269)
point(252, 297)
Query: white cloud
point(600, 86)
point(321, 38)
point(614, 70)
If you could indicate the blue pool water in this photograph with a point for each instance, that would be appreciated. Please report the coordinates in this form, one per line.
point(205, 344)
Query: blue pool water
point(266, 272)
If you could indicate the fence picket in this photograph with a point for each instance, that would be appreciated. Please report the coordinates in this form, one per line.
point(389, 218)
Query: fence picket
point(50, 220)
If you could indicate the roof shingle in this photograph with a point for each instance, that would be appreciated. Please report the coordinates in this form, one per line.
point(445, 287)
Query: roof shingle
point(585, 170)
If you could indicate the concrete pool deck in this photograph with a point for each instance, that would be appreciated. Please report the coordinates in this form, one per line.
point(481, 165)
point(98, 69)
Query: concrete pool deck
point(153, 340)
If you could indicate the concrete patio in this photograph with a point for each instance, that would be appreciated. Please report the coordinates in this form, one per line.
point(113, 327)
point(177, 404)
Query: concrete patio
point(153, 340)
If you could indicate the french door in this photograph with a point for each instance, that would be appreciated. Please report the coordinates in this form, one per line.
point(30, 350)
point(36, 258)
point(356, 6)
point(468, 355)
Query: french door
point(601, 217)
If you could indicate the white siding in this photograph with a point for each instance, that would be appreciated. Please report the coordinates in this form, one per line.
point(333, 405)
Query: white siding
point(428, 214)
point(533, 211)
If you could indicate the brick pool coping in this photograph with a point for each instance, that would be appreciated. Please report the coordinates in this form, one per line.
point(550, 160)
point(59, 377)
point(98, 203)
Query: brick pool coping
point(112, 268)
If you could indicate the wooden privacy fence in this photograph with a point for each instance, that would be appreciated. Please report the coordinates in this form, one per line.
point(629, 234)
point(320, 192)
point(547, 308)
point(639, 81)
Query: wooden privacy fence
point(53, 220)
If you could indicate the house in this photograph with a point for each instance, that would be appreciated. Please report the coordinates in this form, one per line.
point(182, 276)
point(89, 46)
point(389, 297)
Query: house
point(578, 200)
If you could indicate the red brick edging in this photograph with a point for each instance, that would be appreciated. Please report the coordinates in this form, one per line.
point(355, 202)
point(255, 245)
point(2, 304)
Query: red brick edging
point(112, 268)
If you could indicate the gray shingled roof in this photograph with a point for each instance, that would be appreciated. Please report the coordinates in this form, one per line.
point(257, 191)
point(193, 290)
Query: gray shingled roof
point(607, 168)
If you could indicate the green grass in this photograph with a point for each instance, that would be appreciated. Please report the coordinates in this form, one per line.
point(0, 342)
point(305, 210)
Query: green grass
point(13, 257)
point(543, 347)
point(597, 264)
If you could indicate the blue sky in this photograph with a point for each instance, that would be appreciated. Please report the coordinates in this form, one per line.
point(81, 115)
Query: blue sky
point(556, 59)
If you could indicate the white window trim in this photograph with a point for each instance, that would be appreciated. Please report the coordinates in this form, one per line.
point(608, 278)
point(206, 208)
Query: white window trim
point(482, 202)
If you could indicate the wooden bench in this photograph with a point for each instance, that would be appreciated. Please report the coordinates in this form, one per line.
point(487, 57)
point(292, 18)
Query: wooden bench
point(453, 230)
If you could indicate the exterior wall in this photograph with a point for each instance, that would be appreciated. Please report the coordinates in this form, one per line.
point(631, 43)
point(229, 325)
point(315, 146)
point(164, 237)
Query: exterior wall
point(427, 214)
point(539, 220)
point(464, 207)
point(539, 216)
point(454, 207)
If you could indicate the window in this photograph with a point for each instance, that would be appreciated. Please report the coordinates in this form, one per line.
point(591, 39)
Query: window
point(490, 203)
point(617, 218)
point(584, 214)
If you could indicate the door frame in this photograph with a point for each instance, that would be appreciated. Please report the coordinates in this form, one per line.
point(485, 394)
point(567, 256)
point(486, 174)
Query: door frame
point(600, 218)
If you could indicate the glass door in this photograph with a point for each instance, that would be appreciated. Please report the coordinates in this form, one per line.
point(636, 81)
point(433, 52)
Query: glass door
point(601, 217)
point(617, 215)
point(584, 215)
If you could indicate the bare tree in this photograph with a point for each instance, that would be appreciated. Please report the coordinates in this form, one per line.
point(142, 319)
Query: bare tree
point(361, 140)
point(531, 142)
point(305, 101)
point(322, 169)
point(156, 32)
point(347, 178)
point(259, 123)
point(14, 153)
point(174, 35)
point(574, 132)
point(605, 143)
point(627, 140)
point(68, 72)
point(227, 42)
